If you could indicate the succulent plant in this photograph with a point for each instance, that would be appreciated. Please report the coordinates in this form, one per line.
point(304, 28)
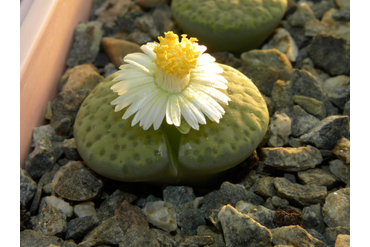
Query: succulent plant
point(177, 149)
point(229, 25)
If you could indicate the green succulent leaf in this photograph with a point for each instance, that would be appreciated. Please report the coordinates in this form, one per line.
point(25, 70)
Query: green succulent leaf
point(113, 148)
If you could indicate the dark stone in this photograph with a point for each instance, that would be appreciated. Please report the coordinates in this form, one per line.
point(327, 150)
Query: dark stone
point(347, 109)
point(27, 187)
point(282, 95)
point(319, 8)
point(302, 121)
point(265, 187)
point(25, 218)
point(331, 54)
point(298, 34)
point(265, 67)
point(342, 14)
point(75, 182)
point(305, 84)
point(77, 228)
point(259, 213)
point(50, 222)
point(326, 134)
point(332, 232)
point(129, 216)
point(164, 238)
point(316, 176)
point(65, 107)
point(312, 218)
point(41, 159)
point(30, 238)
point(126, 22)
point(294, 236)
point(189, 219)
point(287, 217)
point(178, 195)
point(70, 149)
point(86, 44)
point(196, 241)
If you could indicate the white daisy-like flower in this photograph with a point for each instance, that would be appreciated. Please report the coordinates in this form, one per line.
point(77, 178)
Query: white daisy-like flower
point(171, 79)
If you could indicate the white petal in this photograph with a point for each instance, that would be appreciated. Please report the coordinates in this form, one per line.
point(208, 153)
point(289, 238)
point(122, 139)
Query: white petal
point(130, 74)
point(173, 110)
point(214, 93)
point(148, 50)
point(141, 61)
point(200, 48)
point(187, 112)
point(161, 113)
point(140, 103)
point(156, 106)
point(209, 76)
point(128, 84)
point(205, 103)
point(208, 68)
point(205, 59)
point(209, 81)
point(131, 96)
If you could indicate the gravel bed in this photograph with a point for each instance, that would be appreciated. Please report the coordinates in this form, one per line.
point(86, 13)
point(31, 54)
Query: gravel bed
point(294, 190)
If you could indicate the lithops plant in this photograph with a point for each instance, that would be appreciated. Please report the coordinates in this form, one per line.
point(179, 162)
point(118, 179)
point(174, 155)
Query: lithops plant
point(229, 25)
point(171, 114)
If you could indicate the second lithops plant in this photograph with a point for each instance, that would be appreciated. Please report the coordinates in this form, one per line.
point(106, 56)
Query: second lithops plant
point(229, 25)
point(171, 114)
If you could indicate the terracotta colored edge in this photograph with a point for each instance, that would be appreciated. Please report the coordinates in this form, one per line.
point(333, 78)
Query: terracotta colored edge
point(43, 62)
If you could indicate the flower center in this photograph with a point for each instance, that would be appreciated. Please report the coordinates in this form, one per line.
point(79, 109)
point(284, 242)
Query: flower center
point(174, 61)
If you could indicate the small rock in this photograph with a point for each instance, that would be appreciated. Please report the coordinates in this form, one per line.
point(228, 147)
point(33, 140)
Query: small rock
point(196, 241)
point(30, 238)
point(311, 105)
point(312, 218)
point(297, 34)
point(320, 7)
point(291, 176)
point(84, 209)
point(313, 27)
point(343, 240)
point(265, 187)
point(70, 149)
point(326, 134)
point(142, 201)
point(342, 3)
point(336, 210)
point(189, 217)
point(316, 176)
point(214, 233)
point(112, 203)
point(239, 229)
point(25, 218)
point(161, 214)
point(39, 132)
point(178, 195)
point(294, 235)
point(302, 121)
point(65, 107)
point(265, 67)
point(164, 238)
point(338, 90)
point(330, 53)
point(130, 216)
point(57, 203)
point(283, 42)
point(41, 159)
point(107, 232)
point(228, 194)
point(77, 228)
point(287, 217)
point(282, 95)
point(151, 3)
point(145, 23)
point(259, 213)
point(163, 20)
point(117, 49)
point(340, 170)
point(27, 187)
point(301, 15)
point(347, 109)
point(280, 127)
point(126, 20)
point(291, 159)
point(58, 149)
point(50, 222)
point(301, 195)
point(108, 10)
point(109, 69)
point(139, 37)
point(80, 77)
point(309, 66)
point(305, 84)
point(279, 202)
point(342, 150)
point(134, 226)
point(86, 44)
point(75, 182)
point(338, 28)
point(332, 232)
point(37, 196)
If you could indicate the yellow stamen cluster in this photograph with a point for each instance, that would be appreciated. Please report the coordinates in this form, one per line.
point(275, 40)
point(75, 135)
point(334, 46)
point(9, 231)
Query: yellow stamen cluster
point(176, 58)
